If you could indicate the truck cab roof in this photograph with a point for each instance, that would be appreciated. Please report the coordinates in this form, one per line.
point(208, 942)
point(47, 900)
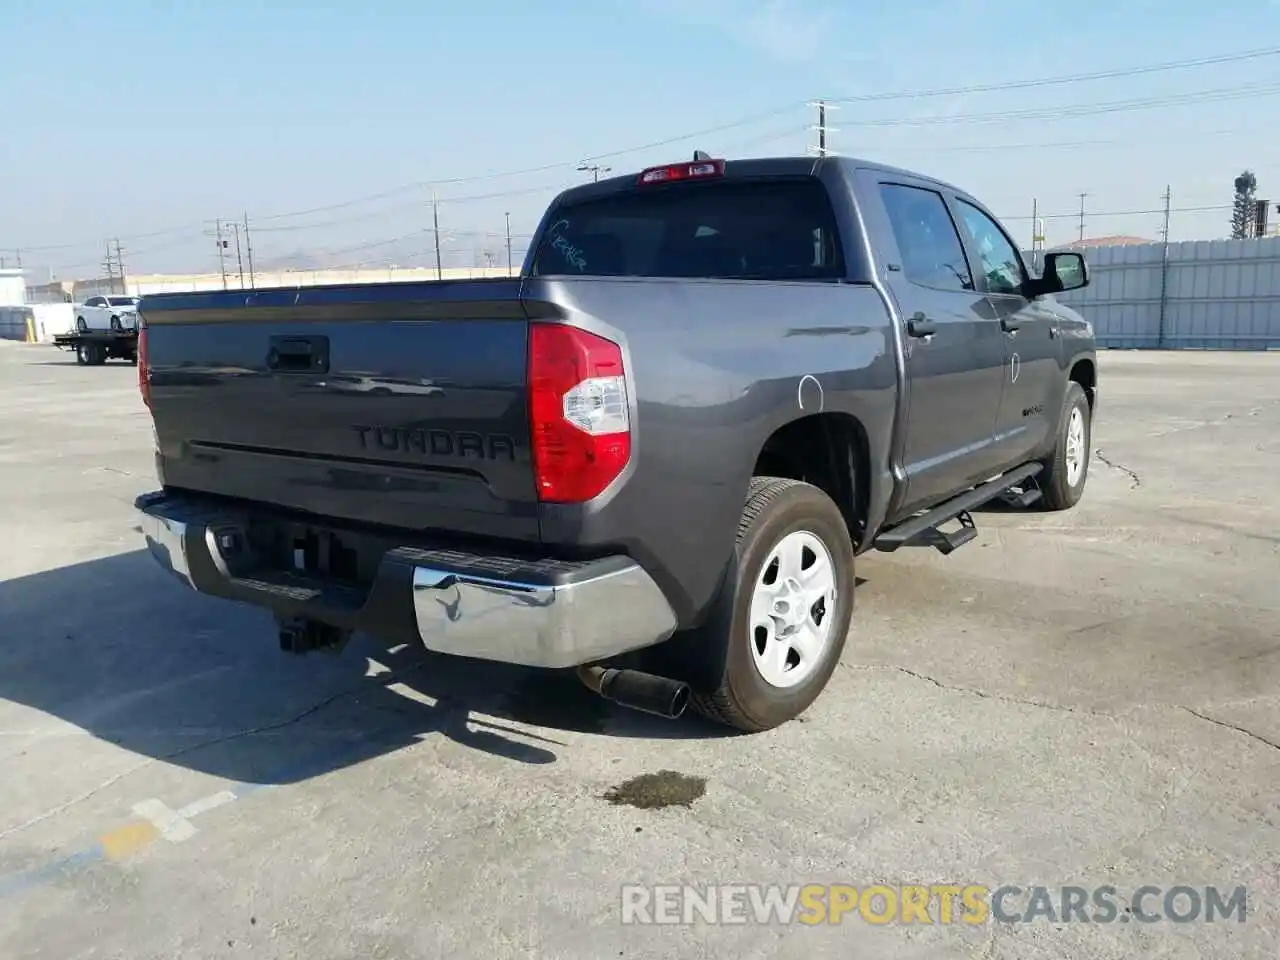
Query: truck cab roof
point(757, 167)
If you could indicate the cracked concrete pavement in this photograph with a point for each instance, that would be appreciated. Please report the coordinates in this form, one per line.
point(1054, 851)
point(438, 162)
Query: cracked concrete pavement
point(1086, 698)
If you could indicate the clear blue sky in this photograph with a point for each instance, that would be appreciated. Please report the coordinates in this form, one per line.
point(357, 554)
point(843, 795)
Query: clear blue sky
point(130, 117)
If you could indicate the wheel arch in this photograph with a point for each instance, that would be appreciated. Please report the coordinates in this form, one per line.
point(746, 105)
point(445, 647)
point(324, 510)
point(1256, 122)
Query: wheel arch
point(832, 452)
point(1084, 371)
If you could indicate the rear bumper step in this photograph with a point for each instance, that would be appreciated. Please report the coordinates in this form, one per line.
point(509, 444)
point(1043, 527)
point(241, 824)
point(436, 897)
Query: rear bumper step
point(537, 613)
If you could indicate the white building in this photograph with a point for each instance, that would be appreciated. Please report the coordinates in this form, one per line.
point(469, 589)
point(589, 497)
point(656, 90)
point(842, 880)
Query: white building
point(13, 288)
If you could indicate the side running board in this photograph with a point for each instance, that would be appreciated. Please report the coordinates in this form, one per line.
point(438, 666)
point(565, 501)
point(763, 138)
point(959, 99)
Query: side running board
point(922, 529)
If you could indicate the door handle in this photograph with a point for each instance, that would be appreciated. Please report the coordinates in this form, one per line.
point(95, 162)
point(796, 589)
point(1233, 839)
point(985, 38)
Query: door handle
point(1009, 324)
point(921, 326)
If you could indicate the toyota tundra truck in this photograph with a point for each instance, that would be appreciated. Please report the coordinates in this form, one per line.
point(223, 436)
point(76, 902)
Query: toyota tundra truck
point(651, 457)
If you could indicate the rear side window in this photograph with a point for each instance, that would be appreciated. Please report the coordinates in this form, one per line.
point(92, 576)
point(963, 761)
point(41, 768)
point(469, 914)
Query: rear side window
point(932, 254)
point(756, 230)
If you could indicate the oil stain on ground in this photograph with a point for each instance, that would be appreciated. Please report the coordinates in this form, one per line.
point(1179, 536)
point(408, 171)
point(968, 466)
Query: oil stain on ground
point(654, 791)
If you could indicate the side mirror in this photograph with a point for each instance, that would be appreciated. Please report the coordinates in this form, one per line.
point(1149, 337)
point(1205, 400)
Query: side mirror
point(1063, 272)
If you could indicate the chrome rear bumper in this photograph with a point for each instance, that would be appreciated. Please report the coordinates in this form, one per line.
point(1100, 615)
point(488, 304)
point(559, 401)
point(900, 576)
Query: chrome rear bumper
point(537, 613)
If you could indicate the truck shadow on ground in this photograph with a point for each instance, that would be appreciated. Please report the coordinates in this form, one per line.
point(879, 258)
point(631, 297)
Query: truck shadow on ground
point(124, 652)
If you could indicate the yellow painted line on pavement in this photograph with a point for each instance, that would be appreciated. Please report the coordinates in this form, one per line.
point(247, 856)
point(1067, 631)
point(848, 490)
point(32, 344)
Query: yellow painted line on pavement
point(125, 841)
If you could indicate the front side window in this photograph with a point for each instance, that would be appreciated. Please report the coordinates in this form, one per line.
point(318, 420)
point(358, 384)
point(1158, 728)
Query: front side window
point(1001, 262)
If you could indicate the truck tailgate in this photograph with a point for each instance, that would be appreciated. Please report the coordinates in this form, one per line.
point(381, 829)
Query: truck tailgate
point(397, 404)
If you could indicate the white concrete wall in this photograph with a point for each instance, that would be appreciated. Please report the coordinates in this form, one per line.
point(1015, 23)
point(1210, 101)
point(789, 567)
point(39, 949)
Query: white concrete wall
point(143, 284)
point(13, 288)
point(52, 319)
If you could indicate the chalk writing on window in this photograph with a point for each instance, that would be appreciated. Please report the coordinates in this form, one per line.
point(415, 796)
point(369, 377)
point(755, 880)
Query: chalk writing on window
point(560, 243)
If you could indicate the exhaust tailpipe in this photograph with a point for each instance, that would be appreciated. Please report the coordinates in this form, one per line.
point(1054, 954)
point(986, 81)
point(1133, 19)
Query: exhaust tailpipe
point(660, 696)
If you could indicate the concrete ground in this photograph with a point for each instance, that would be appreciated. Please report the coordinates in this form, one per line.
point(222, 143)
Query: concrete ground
point(1086, 699)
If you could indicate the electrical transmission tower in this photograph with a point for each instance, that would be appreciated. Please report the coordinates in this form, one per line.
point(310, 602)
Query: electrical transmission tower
point(113, 264)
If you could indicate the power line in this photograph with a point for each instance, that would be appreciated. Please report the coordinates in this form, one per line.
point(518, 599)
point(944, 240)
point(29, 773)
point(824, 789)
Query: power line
point(542, 168)
point(1070, 111)
point(1077, 110)
point(769, 114)
point(1075, 214)
point(1064, 78)
point(791, 131)
point(1143, 141)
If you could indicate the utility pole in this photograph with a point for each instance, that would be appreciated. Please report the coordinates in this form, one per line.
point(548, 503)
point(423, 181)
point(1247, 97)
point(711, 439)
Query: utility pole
point(18, 253)
point(235, 228)
point(824, 131)
point(1035, 233)
point(222, 261)
point(1082, 196)
point(508, 218)
point(435, 228)
point(594, 169)
point(109, 265)
point(120, 266)
point(248, 245)
point(1164, 264)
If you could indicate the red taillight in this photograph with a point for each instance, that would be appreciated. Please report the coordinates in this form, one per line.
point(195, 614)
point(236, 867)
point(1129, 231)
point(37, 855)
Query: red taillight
point(670, 173)
point(144, 372)
point(578, 411)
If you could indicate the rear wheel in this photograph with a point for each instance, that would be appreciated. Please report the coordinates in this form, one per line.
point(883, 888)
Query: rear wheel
point(1067, 468)
point(791, 606)
point(81, 356)
point(81, 326)
point(95, 354)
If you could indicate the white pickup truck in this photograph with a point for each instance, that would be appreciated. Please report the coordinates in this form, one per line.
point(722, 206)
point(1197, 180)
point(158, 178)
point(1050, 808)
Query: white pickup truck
point(107, 313)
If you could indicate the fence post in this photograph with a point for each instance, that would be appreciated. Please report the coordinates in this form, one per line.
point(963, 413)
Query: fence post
point(1164, 267)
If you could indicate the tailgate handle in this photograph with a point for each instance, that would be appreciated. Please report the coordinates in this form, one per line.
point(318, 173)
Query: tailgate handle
point(304, 354)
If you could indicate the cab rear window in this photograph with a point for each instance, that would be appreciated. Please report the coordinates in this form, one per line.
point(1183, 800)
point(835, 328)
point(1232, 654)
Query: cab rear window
point(749, 230)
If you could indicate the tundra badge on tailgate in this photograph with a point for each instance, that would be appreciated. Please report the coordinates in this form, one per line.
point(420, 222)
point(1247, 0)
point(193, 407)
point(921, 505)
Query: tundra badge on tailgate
point(435, 442)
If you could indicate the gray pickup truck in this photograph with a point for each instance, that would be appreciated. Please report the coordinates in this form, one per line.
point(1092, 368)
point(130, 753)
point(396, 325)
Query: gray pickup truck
point(652, 456)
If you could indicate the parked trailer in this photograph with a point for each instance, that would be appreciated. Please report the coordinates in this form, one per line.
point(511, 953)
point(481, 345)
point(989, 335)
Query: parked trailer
point(95, 347)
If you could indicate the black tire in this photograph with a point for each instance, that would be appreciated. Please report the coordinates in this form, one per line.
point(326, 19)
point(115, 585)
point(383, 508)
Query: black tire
point(95, 354)
point(1058, 492)
point(81, 326)
point(776, 507)
point(114, 323)
point(82, 356)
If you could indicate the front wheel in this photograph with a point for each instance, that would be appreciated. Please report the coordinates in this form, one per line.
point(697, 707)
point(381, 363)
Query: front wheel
point(115, 325)
point(791, 606)
point(1067, 468)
